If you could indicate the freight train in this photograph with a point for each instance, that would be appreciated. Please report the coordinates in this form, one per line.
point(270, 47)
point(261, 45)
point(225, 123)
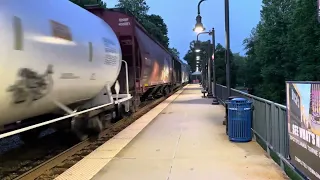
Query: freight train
point(60, 61)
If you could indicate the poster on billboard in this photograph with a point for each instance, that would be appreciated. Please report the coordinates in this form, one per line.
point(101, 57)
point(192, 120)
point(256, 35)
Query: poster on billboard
point(303, 113)
point(318, 10)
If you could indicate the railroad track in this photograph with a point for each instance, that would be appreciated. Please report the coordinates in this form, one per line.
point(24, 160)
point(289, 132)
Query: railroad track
point(59, 158)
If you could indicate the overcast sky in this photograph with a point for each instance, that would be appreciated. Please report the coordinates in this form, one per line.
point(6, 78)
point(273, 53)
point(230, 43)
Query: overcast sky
point(179, 15)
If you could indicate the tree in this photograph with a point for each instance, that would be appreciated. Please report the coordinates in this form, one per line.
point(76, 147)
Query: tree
point(138, 8)
point(272, 48)
point(83, 3)
point(270, 58)
point(219, 60)
point(306, 34)
point(253, 76)
point(191, 55)
point(158, 28)
point(154, 30)
point(284, 46)
point(159, 22)
point(175, 52)
point(220, 66)
point(241, 64)
point(154, 24)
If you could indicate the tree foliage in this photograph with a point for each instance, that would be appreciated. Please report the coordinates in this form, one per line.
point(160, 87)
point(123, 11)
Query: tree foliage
point(220, 66)
point(219, 61)
point(191, 55)
point(153, 23)
point(138, 8)
point(284, 46)
point(156, 26)
point(83, 3)
point(175, 52)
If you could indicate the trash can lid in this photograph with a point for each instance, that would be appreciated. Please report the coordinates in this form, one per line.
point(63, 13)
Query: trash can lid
point(232, 97)
point(238, 99)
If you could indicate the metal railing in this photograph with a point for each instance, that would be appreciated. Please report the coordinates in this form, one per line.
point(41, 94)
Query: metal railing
point(269, 122)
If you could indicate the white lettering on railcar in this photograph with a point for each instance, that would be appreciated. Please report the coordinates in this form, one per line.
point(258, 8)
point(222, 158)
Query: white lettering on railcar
point(124, 22)
point(111, 53)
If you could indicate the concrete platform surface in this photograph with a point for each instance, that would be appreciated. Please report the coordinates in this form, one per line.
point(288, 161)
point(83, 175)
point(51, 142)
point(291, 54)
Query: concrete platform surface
point(185, 141)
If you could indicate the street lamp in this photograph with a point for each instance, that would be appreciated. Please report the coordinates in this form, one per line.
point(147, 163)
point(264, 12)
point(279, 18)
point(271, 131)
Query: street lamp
point(210, 64)
point(199, 27)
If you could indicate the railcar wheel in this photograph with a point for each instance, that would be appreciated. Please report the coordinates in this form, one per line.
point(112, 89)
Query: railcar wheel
point(166, 91)
point(119, 111)
point(78, 127)
point(134, 105)
point(95, 125)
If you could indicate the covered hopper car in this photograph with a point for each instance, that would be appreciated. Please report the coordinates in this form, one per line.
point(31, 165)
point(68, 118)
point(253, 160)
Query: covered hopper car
point(152, 67)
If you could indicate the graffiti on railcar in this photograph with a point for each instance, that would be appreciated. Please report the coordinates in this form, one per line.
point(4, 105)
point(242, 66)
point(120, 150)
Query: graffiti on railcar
point(31, 86)
point(165, 71)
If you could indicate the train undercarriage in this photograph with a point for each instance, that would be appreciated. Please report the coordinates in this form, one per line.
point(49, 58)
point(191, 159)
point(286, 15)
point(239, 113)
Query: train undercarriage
point(88, 119)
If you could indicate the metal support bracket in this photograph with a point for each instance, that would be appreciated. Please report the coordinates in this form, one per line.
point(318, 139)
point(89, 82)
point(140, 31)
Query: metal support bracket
point(63, 107)
point(127, 76)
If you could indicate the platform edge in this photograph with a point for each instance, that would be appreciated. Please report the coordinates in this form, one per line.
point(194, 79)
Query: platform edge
point(81, 171)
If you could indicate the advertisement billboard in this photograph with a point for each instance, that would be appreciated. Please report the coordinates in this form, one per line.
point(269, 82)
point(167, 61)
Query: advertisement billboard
point(303, 112)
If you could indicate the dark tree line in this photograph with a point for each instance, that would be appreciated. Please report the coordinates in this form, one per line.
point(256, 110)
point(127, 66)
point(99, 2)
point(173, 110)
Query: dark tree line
point(284, 46)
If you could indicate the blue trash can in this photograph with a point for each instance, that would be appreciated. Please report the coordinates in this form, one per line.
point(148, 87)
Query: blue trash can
point(239, 120)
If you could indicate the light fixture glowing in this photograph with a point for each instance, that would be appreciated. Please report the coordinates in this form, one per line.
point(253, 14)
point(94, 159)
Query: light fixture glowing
point(198, 29)
point(199, 26)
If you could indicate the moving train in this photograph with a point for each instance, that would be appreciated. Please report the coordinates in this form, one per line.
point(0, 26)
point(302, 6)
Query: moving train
point(60, 60)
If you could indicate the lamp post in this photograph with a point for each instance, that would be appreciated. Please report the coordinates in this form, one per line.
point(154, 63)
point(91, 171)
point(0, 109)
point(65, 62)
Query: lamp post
point(227, 55)
point(203, 63)
point(199, 28)
point(203, 70)
point(211, 65)
point(212, 59)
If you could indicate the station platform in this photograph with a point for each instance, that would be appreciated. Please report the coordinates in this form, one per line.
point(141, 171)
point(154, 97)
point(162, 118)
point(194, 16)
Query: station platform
point(181, 139)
